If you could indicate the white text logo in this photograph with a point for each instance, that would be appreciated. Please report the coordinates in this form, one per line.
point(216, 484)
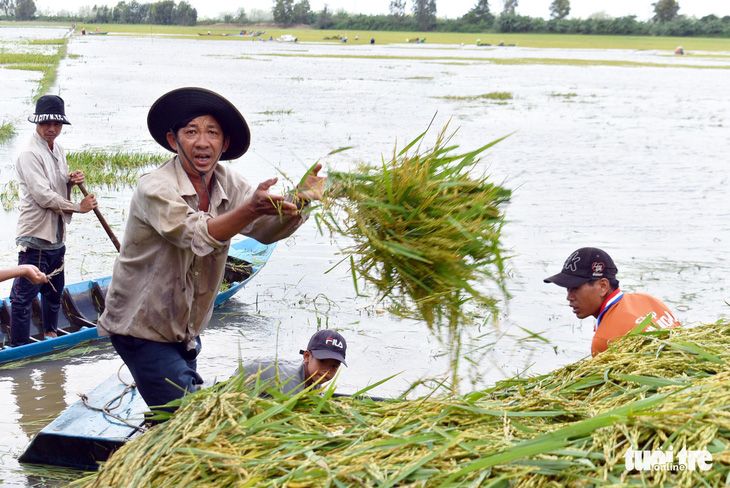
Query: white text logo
point(665, 461)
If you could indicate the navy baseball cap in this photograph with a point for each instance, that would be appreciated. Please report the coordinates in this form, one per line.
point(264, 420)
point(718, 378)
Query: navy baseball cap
point(585, 264)
point(327, 344)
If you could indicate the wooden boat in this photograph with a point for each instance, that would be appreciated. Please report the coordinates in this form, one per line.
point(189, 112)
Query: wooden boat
point(82, 303)
point(81, 437)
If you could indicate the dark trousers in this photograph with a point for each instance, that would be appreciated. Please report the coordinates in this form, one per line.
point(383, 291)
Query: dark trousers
point(163, 371)
point(24, 291)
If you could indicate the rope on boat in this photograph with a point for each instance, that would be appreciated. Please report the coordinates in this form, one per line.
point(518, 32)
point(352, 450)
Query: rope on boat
point(107, 408)
point(54, 273)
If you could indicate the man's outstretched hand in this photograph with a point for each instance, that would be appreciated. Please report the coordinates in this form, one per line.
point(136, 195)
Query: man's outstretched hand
point(312, 186)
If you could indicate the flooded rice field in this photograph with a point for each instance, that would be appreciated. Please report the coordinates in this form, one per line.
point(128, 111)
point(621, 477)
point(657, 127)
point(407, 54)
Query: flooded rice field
point(630, 158)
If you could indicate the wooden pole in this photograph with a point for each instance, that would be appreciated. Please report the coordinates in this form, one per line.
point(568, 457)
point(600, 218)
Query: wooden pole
point(102, 220)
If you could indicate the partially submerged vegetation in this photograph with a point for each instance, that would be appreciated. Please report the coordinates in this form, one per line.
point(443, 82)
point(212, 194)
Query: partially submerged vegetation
point(102, 169)
point(658, 391)
point(484, 96)
point(112, 170)
point(47, 64)
point(7, 131)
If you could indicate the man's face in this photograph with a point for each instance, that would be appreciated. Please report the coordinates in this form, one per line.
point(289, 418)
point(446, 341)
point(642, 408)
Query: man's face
point(319, 368)
point(203, 141)
point(49, 130)
point(586, 299)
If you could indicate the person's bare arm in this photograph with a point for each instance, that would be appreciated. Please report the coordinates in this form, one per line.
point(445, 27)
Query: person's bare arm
point(29, 271)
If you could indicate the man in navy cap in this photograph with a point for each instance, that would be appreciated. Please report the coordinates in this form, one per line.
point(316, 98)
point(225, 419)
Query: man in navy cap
point(589, 275)
point(320, 361)
point(45, 208)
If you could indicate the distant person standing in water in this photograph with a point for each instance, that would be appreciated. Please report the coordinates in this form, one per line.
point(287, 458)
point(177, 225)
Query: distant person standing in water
point(589, 275)
point(45, 208)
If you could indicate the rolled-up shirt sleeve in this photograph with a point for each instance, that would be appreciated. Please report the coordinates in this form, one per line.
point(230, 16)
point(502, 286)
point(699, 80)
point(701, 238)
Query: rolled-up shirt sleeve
point(203, 243)
point(31, 172)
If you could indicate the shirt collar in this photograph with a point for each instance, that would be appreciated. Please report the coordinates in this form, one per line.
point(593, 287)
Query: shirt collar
point(43, 144)
point(218, 194)
point(610, 301)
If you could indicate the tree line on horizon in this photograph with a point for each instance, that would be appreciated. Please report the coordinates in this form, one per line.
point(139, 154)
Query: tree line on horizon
point(422, 17)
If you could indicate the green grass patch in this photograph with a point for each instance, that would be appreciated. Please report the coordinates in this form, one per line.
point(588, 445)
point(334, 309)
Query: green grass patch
point(456, 38)
point(49, 76)
point(564, 95)
point(29, 67)
point(419, 78)
point(47, 42)
point(7, 131)
point(27, 58)
point(45, 63)
point(485, 96)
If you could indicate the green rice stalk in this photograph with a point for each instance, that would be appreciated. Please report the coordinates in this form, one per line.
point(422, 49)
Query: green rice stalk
point(426, 233)
point(425, 230)
point(9, 195)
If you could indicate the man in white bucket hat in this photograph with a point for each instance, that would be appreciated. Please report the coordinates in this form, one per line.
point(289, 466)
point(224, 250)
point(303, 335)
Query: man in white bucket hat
point(45, 208)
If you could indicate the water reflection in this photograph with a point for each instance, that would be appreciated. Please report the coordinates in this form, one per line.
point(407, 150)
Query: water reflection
point(38, 393)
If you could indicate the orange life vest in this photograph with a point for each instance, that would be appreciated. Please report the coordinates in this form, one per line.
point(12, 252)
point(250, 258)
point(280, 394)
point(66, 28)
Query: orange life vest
point(620, 313)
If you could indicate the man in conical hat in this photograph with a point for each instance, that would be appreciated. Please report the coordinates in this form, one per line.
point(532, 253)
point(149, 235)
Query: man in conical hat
point(181, 219)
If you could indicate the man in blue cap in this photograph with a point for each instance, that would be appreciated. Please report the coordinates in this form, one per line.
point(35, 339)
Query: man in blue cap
point(45, 208)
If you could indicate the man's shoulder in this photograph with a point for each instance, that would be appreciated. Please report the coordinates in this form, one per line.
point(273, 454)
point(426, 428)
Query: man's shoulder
point(271, 366)
point(162, 176)
point(639, 305)
point(640, 298)
point(228, 175)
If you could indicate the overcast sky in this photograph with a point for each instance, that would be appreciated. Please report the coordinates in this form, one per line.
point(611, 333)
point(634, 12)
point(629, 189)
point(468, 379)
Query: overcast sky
point(445, 8)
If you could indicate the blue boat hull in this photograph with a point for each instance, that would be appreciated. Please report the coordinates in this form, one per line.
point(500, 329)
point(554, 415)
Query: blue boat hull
point(81, 437)
point(83, 303)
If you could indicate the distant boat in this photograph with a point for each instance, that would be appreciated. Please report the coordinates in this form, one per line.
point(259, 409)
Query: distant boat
point(97, 33)
point(82, 303)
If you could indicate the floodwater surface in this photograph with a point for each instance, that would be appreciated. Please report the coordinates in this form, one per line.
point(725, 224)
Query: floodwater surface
point(631, 159)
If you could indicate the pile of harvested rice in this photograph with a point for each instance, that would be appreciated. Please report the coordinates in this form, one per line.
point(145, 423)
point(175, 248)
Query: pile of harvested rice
point(654, 391)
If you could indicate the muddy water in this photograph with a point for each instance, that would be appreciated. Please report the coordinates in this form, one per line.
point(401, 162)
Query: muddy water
point(630, 159)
